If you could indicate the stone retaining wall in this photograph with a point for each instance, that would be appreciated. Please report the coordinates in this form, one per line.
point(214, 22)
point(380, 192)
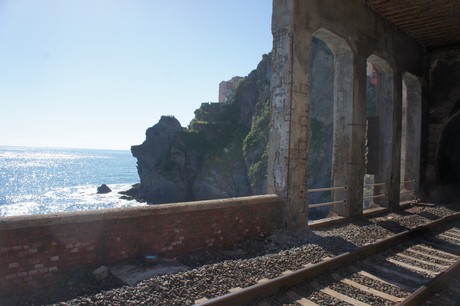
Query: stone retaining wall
point(36, 250)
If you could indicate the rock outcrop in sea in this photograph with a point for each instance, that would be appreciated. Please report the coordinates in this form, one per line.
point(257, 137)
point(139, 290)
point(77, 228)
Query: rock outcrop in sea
point(103, 189)
point(221, 154)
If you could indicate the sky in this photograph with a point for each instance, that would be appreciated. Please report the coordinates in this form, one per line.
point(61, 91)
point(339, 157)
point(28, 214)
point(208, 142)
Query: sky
point(98, 73)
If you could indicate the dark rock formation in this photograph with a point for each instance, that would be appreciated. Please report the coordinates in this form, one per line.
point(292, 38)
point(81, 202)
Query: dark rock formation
point(221, 154)
point(127, 198)
point(163, 163)
point(133, 191)
point(103, 189)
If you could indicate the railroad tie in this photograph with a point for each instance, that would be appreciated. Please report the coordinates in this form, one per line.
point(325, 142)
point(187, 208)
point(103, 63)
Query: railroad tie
point(399, 274)
point(366, 289)
point(446, 260)
point(440, 244)
point(384, 280)
point(425, 262)
point(453, 256)
point(300, 300)
point(234, 289)
point(411, 267)
point(455, 230)
point(447, 237)
point(337, 295)
point(263, 280)
point(202, 300)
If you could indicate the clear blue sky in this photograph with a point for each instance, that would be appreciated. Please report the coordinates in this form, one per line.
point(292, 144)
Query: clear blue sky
point(98, 73)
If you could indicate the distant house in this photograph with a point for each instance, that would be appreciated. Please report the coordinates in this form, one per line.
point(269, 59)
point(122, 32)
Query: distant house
point(227, 89)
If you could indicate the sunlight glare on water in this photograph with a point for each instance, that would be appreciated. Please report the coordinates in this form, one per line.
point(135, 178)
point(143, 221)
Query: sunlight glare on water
point(38, 180)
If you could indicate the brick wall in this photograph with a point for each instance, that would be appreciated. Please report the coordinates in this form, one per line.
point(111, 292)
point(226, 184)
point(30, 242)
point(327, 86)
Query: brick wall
point(36, 250)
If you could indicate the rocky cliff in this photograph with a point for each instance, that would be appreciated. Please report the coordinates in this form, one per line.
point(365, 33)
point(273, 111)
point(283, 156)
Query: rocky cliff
point(222, 153)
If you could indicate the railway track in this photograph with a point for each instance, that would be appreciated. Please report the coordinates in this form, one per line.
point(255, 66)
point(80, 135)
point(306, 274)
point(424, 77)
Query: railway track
point(404, 269)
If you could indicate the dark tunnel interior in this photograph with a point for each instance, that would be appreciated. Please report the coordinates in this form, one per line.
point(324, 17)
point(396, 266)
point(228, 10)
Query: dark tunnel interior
point(449, 152)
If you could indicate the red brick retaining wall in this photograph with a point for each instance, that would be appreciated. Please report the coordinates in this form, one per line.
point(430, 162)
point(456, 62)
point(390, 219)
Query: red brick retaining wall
point(36, 250)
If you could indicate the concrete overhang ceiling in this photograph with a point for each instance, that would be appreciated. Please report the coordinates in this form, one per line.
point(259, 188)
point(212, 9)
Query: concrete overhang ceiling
point(433, 23)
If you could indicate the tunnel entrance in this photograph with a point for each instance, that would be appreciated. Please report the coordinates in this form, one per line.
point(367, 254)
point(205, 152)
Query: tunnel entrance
point(449, 152)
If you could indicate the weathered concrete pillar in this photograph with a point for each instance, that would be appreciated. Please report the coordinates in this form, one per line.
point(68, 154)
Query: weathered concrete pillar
point(288, 145)
point(358, 124)
point(343, 116)
point(385, 94)
point(411, 134)
point(395, 176)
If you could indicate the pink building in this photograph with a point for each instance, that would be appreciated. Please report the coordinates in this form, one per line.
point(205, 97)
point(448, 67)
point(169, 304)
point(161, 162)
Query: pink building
point(227, 89)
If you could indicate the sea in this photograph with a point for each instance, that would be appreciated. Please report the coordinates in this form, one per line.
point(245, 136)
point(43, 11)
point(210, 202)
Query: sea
point(52, 180)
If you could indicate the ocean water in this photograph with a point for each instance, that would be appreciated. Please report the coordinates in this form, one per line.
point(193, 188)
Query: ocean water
point(44, 181)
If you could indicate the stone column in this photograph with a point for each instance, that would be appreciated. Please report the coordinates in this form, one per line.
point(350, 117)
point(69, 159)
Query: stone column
point(288, 144)
point(410, 133)
point(343, 116)
point(358, 123)
point(395, 177)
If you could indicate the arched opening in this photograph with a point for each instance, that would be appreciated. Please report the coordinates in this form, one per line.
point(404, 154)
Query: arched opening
point(330, 130)
point(410, 136)
point(448, 158)
point(379, 128)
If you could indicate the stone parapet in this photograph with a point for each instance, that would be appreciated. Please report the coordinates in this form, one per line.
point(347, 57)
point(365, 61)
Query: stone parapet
point(36, 251)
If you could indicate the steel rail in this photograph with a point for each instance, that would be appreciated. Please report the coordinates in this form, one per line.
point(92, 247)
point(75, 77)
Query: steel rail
point(440, 281)
point(246, 295)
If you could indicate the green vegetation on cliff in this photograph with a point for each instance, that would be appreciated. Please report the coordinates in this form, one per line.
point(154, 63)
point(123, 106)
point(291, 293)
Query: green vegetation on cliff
point(222, 153)
point(255, 146)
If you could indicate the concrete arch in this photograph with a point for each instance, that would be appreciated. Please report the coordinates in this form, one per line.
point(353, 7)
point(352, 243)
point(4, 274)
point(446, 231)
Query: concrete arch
point(337, 44)
point(379, 133)
point(410, 134)
point(380, 64)
point(331, 112)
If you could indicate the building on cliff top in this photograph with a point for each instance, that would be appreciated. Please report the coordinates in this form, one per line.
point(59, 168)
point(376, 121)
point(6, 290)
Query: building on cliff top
point(227, 89)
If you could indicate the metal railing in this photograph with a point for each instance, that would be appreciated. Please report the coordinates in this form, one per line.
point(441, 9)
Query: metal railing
point(378, 195)
point(375, 196)
point(327, 189)
point(324, 204)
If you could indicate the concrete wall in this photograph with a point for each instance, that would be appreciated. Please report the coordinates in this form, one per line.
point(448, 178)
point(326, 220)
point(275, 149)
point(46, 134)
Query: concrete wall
point(352, 26)
point(36, 250)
